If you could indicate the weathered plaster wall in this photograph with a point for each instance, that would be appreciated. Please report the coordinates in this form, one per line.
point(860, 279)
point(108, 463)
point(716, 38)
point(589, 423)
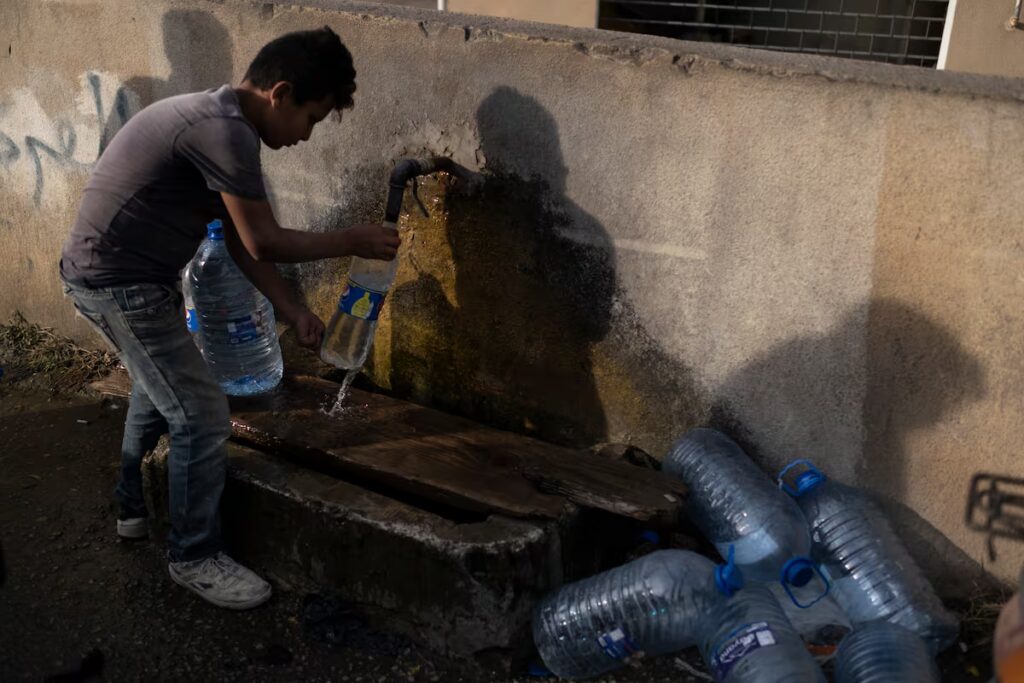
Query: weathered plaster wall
point(822, 256)
point(977, 39)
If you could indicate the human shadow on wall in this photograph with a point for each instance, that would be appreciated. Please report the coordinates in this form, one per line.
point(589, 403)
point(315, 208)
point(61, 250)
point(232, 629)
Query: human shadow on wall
point(530, 295)
point(917, 373)
point(198, 48)
point(512, 327)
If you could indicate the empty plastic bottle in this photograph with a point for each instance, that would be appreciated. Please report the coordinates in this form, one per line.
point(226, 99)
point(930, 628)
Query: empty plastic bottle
point(650, 606)
point(236, 322)
point(872, 574)
point(737, 505)
point(191, 319)
point(881, 652)
point(749, 640)
point(349, 335)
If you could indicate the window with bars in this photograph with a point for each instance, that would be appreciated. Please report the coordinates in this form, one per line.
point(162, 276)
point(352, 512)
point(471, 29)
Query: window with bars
point(894, 31)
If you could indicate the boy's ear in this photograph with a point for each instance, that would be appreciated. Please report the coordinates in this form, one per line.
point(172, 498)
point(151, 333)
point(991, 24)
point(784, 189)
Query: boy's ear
point(281, 91)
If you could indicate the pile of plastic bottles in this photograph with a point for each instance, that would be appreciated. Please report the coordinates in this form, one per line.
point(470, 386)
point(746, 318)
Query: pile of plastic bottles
point(795, 549)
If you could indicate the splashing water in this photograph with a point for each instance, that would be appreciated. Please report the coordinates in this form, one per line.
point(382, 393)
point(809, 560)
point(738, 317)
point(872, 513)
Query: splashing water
point(338, 409)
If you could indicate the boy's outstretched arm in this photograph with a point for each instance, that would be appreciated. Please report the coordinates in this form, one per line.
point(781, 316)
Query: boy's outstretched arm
point(265, 240)
point(309, 329)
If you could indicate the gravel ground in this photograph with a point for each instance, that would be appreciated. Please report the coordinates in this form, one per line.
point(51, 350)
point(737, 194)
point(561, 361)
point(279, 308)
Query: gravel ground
point(73, 589)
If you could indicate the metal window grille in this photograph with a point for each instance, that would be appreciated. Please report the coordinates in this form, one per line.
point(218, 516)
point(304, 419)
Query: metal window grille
point(894, 31)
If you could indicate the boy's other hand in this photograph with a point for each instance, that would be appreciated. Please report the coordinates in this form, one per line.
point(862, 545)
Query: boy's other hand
point(373, 241)
point(309, 329)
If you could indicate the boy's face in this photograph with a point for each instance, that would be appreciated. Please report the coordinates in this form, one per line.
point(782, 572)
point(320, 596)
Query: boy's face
point(287, 123)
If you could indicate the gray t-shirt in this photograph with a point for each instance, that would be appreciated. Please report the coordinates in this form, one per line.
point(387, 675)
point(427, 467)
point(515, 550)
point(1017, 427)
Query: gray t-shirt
point(152, 192)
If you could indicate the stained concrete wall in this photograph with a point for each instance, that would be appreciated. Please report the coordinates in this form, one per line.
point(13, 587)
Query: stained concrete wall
point(569, 12)
point(978, 39)
point(822, 256)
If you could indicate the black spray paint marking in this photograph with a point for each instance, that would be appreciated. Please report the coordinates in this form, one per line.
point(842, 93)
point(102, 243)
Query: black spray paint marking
point(67, 139)
point(120, 109)
point(9, 151)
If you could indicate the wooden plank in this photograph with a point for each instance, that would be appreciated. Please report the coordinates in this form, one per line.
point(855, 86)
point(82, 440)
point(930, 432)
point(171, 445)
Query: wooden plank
point(389, 444)
point(446, 458)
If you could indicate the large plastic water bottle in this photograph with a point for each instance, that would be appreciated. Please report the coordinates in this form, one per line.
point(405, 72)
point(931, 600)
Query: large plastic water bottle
point(749, 640)
point(881, 652)
point(872, 574)
point(191, 319)
point(236, 322)
point(737, 505)
point(349, 335)
point(650, 606)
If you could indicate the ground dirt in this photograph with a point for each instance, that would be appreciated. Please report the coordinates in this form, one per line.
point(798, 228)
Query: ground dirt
point(72, 588)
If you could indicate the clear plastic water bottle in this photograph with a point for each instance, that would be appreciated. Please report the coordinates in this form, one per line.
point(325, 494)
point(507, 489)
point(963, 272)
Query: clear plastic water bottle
point(236, 322)
point(737, 505)
point(872, 574)
point(749, 640)
point(349, 335)
point(650, 606)
point(881, 652)
point(191, 319)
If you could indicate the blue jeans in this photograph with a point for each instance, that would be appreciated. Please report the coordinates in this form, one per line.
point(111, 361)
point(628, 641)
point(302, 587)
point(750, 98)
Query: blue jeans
point(173, 393)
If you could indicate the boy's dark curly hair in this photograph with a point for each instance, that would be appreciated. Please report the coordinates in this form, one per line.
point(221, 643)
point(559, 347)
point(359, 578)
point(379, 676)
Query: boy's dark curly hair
point(316, 63)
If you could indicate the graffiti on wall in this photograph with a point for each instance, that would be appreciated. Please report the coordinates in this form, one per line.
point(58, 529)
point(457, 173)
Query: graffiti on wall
point(42, 154)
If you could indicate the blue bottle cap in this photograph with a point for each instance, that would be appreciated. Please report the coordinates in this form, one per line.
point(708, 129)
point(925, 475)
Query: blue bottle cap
point(728, 577)
point(798, 572)
point(806, 481)
point(215, 229)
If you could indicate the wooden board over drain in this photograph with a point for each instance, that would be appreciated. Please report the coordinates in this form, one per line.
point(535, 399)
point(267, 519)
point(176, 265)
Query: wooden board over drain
point(443, 459)
point(449, 459)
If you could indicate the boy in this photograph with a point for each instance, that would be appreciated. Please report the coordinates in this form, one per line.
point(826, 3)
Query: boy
point(173, 168)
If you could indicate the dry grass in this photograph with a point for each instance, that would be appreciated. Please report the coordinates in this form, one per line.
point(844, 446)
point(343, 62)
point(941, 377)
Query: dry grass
point(978, 616)
point(30, 352)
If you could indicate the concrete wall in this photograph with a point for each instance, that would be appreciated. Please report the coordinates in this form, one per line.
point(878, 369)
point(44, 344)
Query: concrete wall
point(977, 39)
point(822, 256)
point(569, 12)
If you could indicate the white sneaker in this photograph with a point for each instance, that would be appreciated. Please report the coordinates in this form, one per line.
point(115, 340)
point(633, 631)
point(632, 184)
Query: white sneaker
point(133, 528)
point(221, 581)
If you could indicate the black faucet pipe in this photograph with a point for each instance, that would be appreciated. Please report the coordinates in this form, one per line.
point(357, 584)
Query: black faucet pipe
point(410, 168)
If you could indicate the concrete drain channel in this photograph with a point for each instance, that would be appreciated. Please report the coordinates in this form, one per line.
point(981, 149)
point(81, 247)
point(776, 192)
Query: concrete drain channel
point(446, 530)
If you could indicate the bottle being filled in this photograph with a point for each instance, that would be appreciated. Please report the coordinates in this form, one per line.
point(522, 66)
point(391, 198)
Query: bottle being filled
point(349, 335)
point(237, 331)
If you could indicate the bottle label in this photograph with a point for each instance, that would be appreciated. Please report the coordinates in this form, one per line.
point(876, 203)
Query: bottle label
point(742, 642)
point(245, 329)
point(617, 645)
point(191, 321)
point(360, 302)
